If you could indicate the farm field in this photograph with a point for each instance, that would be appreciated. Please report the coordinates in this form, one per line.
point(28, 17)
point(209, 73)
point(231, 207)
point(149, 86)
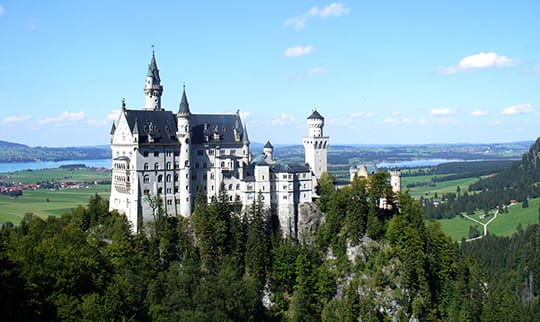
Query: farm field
point(56, 175)
point(59, 201)
point(505, 224)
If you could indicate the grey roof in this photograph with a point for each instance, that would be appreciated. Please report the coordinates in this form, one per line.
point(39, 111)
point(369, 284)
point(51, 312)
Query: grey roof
point(205, 126)
point(289, 168)
point(315, 115)
point(153, 71)
point(159, 125)
point(268, 145)
point(184, 105)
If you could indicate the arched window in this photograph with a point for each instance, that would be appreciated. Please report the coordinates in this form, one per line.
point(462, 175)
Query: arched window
point(160, 178)
point(146, 179)
point(156, 166)
point(146, 166)
point(169, 165)
point(168, 178)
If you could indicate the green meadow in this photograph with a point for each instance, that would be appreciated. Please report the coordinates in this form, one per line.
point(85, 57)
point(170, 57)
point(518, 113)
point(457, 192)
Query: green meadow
point(438, 187)
point(505, 224)
point(56, 175)
point(45, 203)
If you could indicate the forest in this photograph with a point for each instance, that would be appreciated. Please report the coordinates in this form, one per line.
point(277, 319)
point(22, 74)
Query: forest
point(361, 259)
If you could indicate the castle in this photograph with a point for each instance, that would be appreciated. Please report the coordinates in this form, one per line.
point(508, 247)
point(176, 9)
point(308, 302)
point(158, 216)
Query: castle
point(175, 155)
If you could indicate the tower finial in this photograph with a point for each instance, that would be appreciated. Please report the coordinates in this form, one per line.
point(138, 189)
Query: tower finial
point(153, 51)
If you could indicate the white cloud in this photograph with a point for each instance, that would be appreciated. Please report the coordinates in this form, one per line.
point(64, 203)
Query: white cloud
point(113, 115)
point(63, 118)
point(2, 10)
point(442, 111)
point(283, 119)
point(335, 9)
point(310, 73)
point(362, 115)
point(518, 109)
point(16, 118)
point(480, 61)
point(298, 51)
point(479, 113)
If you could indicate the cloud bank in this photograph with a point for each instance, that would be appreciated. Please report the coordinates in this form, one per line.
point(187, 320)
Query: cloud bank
point(479, 61)
point(298, 51)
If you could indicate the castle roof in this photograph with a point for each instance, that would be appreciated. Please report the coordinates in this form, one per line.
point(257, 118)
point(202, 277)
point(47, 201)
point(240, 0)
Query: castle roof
point(217, 129)
point(315, 116)
point(160, 126)
point(268, 145)
point(289, 168)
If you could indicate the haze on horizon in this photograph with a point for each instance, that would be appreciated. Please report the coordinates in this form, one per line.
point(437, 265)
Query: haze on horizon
point(389, 72)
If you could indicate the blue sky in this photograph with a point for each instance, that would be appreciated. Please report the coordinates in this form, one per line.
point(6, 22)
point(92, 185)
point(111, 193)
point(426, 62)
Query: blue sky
point(380, 72)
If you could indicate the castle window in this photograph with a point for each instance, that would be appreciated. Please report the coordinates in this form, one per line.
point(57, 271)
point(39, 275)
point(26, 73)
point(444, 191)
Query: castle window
point(169, 202)
point(284, 197)
point(169, 190)
point(222, 164)
point(156, 153)
point(284, 176)
point(233, 152)
point(212, 187)
point(169, 165)
point(186, 164)
point(145, 153)
point(230, 187)
point(160, 190)
point(146, 191)
point(156, 166)
point(168, 178)
point(146, 179)
point(176, 177)
point(237, 186)
point(175, 189)
point(169, 153)
point(160, 178)
point(211, 152)
point(176, 165)
point(212, 176)
point(187, 187)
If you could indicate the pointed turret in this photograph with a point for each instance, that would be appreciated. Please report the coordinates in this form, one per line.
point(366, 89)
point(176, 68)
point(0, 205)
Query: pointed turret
point(245, 138)
point(268, 151)
point(153, 71)
point(113, 128)
point(184, 105)
point(152, 87)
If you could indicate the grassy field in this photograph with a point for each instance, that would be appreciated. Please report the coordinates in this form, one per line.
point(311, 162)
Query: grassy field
point(505, 224)
point(439, 187)
point(59, 201)
point(56, 175)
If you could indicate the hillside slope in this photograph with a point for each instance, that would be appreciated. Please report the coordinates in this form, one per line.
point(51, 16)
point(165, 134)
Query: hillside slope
point(15, 152)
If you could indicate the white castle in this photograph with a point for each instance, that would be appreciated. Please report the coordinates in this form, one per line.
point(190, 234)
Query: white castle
point(175, 155)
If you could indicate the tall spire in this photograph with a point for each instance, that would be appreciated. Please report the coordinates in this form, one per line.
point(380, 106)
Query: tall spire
point(153, 70)
point(184, 105)
point(152, 86)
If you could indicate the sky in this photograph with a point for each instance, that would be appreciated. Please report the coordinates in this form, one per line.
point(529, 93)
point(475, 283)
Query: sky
point(380, 72)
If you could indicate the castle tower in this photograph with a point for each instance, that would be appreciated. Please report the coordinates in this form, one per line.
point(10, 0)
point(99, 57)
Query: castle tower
point(268, 151)
point(395, 180)
point(152, 87)
point(245, 147)
point(316, 145)
point(184, 138)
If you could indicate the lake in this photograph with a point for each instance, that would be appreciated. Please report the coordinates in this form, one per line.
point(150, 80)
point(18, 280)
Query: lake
point(415, 163)
point(17, 166)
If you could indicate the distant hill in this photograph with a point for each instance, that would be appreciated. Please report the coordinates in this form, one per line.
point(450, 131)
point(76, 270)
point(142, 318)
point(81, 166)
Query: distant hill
point(15, 152)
